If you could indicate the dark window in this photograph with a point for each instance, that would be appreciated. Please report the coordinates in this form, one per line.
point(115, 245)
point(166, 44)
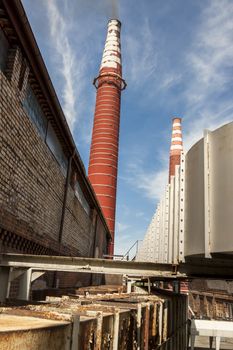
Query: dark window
point(79, 194)
point(3, 50)
point(56, 148)
point(22, 74)
point(34, 111)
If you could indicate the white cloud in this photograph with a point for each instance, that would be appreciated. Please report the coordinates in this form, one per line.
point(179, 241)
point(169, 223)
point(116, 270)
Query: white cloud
point(141, 53)
point(169, 79)
point(210, 61)
point(65, 58)
point(205, 62)
point(125, 241)
point(122, 243)
point(140, 214)
point(213, 47)
point(123, 237)
point(209, 119)
point(75, 53)
point(121, 227)
point(151, 183)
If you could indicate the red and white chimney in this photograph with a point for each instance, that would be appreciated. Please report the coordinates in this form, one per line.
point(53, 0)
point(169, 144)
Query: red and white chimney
point(176, 146)
point(103, 163)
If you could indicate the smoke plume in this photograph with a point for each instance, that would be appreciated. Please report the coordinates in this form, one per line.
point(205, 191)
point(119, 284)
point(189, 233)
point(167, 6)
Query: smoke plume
point(114, 9)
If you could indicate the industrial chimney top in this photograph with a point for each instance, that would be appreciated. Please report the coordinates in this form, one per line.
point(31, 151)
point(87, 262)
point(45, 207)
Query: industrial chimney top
point(115, 20)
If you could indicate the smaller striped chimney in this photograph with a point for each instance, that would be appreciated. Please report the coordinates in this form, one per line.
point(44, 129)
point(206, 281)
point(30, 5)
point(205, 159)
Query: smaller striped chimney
point(176, 146)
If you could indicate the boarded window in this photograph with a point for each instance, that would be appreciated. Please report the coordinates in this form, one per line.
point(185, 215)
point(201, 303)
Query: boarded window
point(3, 50)
point(79, 194)
point(34, 111)
point(56, 148)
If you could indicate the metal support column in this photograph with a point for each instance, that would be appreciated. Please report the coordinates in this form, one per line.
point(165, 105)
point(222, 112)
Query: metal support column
point(75, 332)
point(25, 284)
point(116, 330)
point(5, 283)
point(176, 287)
point(139, 320)
point(207, 192)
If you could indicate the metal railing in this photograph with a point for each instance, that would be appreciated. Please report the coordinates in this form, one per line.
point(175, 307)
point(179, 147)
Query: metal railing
point(126, 256)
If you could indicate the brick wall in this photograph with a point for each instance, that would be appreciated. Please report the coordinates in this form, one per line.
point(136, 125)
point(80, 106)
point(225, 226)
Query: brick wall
point(32, 183)
point(78, 228)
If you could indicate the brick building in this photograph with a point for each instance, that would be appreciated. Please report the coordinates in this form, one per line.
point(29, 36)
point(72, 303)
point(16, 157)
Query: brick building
point(47, 205)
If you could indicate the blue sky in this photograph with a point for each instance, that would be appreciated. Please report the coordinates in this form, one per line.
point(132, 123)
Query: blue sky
point(177, 61)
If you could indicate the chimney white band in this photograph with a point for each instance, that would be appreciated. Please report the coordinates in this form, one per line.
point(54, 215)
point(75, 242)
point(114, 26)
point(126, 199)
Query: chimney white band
point(112, 26)
point(111, 47)
point(173, 147)
point(176, 138)
point(113, 21)
point(176, 124)
point(176, 131)
point(111, 55)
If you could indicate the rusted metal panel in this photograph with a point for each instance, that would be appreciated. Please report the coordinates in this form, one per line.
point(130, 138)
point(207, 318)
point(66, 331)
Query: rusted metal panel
point(87, 334)
point(98, 337)
point(33, 333)
point(53, 339)
point(211, 305)
point(116, 321)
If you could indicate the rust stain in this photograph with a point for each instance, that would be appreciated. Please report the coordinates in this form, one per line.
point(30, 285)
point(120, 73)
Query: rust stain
point(96, 312)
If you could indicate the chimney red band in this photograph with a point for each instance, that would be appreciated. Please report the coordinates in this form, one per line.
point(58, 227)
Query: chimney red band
point(103, 161)
point(176, 146)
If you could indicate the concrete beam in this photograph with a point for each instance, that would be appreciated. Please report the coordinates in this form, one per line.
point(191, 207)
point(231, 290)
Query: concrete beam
point(193, 268)
point(90, 265)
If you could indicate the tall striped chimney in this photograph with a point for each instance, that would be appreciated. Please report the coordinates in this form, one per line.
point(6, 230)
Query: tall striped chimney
point(103, 163)
point(176, 146)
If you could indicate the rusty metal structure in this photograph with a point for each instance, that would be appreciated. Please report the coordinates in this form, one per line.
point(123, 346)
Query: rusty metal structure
point(103, 163)
point(28, 268)
point(211, 305)
point(97, 321)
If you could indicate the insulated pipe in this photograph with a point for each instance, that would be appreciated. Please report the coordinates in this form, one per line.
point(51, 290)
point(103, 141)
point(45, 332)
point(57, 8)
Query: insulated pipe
point(176, 146)
point(103, 162)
